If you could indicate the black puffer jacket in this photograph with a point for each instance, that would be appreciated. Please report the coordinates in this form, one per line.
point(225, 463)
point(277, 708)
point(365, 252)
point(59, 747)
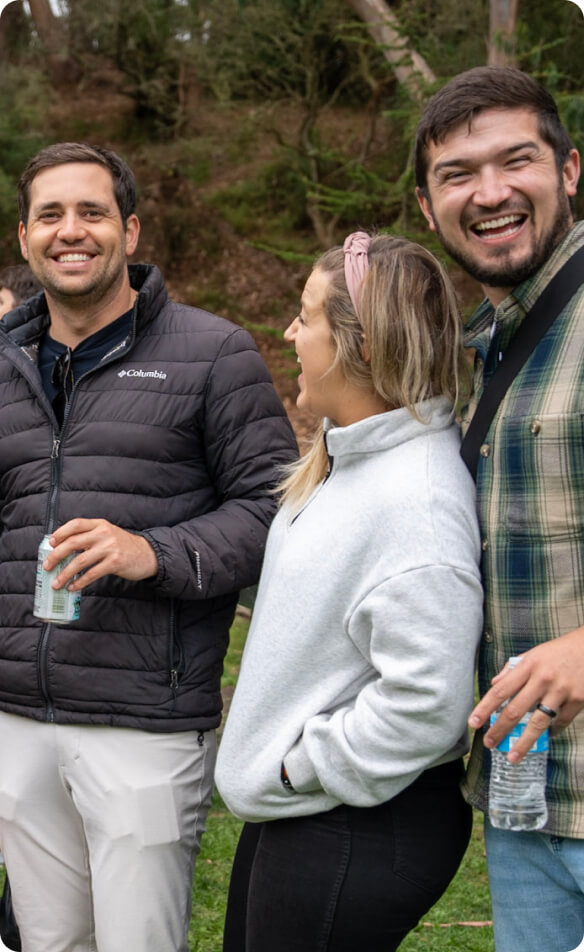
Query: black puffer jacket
point(176, 435)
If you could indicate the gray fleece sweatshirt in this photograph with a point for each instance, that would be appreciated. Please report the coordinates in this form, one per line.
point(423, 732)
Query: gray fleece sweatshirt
point(358, 667)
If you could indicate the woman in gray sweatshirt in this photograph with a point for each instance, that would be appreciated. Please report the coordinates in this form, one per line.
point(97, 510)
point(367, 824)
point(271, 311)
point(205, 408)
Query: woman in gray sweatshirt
point(344, 741)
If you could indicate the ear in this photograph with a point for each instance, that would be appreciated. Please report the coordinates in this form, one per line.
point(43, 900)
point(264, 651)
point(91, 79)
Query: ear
point(365, 350)
point(22, 240)
point(425, 205)
point(132, 234)
point(571, 172)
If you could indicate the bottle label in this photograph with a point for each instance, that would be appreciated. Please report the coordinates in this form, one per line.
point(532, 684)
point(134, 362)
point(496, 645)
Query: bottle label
point(541, 745)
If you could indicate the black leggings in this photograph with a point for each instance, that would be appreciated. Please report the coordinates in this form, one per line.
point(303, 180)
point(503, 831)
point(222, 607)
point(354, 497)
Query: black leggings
point(350, 878)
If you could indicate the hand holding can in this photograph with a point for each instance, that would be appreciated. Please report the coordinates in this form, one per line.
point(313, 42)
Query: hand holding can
point(59, 606)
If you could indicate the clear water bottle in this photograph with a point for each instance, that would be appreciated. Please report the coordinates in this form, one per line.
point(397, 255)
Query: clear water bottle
point(517, 791)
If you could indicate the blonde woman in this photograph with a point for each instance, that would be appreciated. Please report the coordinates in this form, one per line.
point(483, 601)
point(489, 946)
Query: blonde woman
point(344, 741)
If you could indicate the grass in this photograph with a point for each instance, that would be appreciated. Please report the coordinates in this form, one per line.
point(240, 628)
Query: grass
point(458, 922)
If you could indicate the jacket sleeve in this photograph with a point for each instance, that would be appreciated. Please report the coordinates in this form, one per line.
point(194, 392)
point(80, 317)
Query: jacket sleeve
point(247, 439)
point(419, 632)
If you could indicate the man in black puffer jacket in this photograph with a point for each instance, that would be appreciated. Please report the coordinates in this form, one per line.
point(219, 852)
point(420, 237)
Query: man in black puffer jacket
point(143, 436)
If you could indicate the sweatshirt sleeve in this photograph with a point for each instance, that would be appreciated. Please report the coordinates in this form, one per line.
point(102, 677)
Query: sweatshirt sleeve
point(419, 631)
point(247, 438)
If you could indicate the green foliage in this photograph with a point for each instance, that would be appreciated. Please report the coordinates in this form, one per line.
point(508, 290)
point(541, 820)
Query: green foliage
point(278, 192)
point(22, 133)
point(277, 49)
point(451, 36)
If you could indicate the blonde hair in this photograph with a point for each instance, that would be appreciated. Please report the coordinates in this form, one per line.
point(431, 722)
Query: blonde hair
point(410, 320)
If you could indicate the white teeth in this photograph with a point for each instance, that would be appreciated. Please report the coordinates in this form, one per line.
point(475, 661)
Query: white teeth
point(298, 361)
point(498, 222)
point(73, 257)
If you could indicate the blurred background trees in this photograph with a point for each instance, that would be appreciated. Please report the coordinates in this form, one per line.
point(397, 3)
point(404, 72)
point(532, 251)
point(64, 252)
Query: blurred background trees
point(328, 93)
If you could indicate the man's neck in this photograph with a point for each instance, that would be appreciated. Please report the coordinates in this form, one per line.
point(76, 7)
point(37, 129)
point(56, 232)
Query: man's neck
point(71, 324)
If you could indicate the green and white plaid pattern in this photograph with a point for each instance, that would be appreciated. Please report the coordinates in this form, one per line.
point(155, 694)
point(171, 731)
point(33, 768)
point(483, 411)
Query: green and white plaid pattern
point(530, 489)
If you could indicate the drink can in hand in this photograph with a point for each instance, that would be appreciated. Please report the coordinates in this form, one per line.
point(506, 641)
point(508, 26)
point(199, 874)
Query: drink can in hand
point(58, 606)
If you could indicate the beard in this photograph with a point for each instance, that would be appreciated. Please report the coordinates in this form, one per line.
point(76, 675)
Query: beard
point(505, 273)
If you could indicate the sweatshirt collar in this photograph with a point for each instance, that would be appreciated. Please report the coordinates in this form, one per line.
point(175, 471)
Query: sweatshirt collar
point(383, 431)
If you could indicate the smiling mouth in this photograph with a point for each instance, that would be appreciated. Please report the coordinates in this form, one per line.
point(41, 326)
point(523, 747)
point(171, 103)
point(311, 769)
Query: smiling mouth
point(72, 257)
point(505, 226)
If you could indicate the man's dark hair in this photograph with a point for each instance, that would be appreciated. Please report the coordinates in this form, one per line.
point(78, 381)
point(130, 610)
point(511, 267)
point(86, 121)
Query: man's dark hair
point(61, 153)
point(20, 281)
point(486, 87)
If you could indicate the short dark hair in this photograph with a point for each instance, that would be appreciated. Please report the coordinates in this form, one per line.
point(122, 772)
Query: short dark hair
point(20, 281)
point(61, 153)
point(487, 87)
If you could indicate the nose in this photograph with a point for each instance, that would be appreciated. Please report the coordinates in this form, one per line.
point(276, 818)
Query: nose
point(290, 332)
point(71, 227)
point(492, 188)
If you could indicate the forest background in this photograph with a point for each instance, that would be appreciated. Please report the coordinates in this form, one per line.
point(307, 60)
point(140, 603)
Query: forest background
point(261, 131)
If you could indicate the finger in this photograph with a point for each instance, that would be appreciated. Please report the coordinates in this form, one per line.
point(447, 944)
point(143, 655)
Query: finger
point(501, 692)
point(73, 527)
point(79, 565)
point(537, 725)
point(517, 707)
point(566, 715)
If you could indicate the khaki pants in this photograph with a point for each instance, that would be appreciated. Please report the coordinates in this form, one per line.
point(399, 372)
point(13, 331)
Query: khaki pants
point(100, 827)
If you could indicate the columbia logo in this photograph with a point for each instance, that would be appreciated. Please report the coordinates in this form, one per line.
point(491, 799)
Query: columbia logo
point(157, 374)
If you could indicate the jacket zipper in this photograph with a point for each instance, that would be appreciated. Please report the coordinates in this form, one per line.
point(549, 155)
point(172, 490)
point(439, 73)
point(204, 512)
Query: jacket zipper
point(113, 355)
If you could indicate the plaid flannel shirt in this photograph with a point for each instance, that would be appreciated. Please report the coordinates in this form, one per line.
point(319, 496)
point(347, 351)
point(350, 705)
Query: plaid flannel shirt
point(530, 495)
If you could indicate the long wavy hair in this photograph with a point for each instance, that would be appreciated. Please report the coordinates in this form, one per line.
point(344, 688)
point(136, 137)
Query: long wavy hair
point(410, 320)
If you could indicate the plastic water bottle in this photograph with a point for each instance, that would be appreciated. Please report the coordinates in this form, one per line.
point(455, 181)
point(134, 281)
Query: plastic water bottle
point(517, 791)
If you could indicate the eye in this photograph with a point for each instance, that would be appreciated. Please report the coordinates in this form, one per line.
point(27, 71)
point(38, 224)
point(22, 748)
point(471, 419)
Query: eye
point(518, 161)
point(457, 175)
point(300, 319)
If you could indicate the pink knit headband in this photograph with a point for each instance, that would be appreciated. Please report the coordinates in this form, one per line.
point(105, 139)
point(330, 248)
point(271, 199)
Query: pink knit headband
point(356, 247)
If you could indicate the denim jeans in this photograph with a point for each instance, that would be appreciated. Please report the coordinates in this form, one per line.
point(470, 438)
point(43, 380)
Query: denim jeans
point(352, 878)
point(537, 890)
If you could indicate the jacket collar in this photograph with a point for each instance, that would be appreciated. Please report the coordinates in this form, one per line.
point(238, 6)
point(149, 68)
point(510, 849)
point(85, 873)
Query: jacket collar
point(26, 323)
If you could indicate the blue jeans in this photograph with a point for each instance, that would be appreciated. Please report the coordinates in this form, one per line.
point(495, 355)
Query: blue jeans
point(537, 890)
point(352, 878)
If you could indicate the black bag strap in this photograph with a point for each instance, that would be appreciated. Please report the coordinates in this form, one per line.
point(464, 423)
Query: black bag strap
point(536, 322)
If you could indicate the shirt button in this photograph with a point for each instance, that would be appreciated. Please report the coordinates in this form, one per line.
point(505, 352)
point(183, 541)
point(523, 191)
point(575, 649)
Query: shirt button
point(484, 544)
point(488, 637)
point(485, 450)
point(535, 427)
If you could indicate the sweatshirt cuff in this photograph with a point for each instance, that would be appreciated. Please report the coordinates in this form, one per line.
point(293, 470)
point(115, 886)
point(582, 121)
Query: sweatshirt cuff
point(300, 770)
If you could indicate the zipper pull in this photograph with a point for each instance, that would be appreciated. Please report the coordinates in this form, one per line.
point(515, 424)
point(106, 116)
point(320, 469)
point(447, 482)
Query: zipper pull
point(56, 448)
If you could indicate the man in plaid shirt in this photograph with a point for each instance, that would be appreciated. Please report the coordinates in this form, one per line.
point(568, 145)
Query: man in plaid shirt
point(496, 178)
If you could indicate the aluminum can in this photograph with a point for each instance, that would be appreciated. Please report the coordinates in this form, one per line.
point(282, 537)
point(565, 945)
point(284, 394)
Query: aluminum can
point(58, 606)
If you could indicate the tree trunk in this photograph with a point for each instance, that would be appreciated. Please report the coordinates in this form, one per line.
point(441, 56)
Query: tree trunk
point(409, 67)
point(59, 67)
point(502, 23)
point(13, 30)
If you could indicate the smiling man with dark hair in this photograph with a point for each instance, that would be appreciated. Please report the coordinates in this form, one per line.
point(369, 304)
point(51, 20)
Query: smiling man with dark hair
point(143, 437)
point(496, 177)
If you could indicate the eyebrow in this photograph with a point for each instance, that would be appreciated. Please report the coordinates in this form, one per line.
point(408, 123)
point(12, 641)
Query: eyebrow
point(456, 163)
point(84, 205)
